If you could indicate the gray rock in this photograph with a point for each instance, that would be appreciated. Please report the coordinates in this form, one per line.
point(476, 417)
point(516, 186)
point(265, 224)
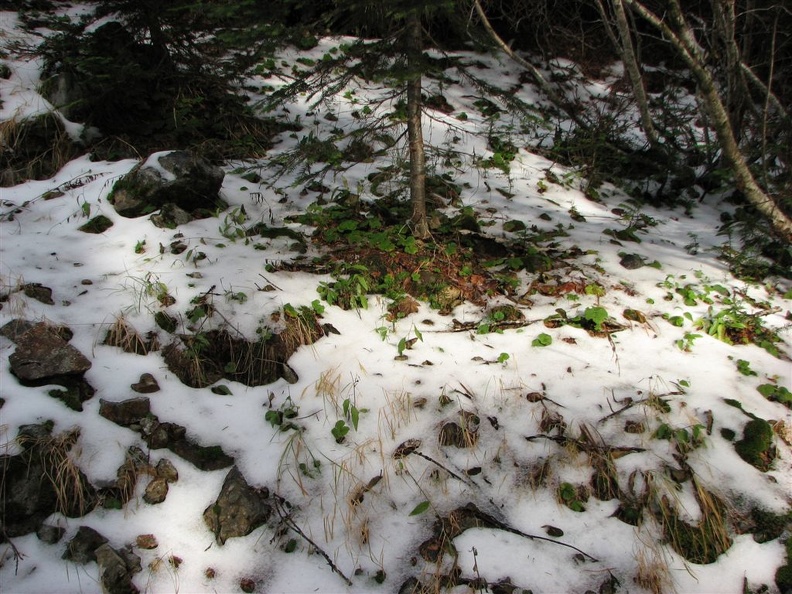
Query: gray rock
point(41, 354)
point(166, 470)
point(114, 571)
point(38, 292)
point(147, 384)
point(50, 534)
point(239, 508)
point(127, 412)
point(156, 491)
point(188, 182)
point(174, 437)
point(170, 216)
point(632, 261)
point(82, 548)
point(14, 329)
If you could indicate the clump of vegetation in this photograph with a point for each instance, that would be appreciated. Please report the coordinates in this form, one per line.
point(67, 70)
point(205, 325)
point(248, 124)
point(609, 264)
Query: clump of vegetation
point(205, 357)
point(703, 542)
point(756, 446)
point(33, 148)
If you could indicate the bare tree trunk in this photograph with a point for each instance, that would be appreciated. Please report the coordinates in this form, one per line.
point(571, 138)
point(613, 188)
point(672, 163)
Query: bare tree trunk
point(540, 80)
point(631, 66)
point(736, 89)
point(414, 49)
point(683, 41)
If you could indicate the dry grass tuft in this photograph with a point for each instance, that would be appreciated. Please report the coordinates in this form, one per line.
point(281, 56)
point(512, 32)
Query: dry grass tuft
point(328, 387)
point(35, 148)
point(56, 456)
point(124, 336)
point(653, 573)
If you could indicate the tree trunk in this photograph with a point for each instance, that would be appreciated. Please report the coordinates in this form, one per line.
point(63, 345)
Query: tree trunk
point(633, 72)
point(683, 42)
point(414, 50)
point(571, 110)
point(736, 88)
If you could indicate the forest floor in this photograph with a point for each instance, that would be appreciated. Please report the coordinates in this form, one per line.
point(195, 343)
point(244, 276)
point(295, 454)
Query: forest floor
point(560, 391)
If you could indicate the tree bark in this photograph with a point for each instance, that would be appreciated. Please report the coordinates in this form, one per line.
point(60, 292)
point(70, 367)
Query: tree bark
point(683, 41)
point(624, 45)
point(633, 72)
point(736, 88)
point(414, 50)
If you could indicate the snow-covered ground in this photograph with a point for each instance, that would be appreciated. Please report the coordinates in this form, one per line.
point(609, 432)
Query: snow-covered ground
point(579, 378)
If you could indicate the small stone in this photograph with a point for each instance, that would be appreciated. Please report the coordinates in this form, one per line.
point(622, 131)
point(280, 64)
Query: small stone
point(127, 412)
point(166, 470)
point(632, 261)
point(146, 541)
point(171, 216)
point(96, 225)
point(156, 491)
point(86, 282)
point(39, 292)
point(289, 374)
point(82, 548)
point(147, 384)
point(50, 534)
point(115, 573)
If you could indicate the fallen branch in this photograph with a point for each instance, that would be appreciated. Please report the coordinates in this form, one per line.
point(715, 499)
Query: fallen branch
point(491, 522)
point(458, 326)
point(587, 447)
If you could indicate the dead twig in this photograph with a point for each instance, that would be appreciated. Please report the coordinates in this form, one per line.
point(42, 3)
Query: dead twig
point(289, 523)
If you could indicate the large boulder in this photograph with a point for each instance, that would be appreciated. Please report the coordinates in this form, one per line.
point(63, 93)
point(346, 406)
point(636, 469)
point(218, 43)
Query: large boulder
point(167, 180)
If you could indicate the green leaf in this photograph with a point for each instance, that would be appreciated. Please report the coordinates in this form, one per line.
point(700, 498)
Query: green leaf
point(596, 315)
point(663, 432)
point(410, 247)
point(542, 340)
point(420, 508)
point(222, 390)
point(274, 417)
point(354, 415)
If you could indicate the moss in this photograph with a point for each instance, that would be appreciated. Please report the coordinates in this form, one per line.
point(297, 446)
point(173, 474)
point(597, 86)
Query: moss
point(756, 445)
point(783, 578)
point(728, 434)
point(768, 526)
point(96, 225)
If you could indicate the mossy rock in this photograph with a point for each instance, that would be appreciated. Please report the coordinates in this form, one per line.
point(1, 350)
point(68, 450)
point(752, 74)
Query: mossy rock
point(756, 445)
point(96, 225)
point(767, 526)
point(186, 181)
point(514, 226)
point(783, 579)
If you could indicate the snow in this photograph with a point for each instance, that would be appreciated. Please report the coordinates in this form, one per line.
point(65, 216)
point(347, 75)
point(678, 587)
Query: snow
point(97, 279)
